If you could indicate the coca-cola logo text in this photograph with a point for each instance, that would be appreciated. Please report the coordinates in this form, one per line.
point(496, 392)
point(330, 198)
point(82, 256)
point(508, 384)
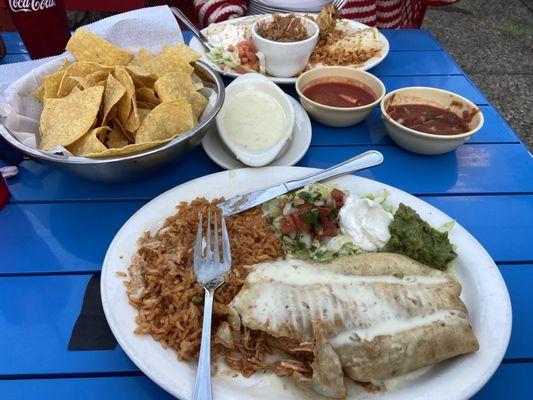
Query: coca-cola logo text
point(30, 5)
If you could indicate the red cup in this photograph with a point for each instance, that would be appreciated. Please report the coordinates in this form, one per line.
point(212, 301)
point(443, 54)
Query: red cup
point(42, 25)
point(4, 193)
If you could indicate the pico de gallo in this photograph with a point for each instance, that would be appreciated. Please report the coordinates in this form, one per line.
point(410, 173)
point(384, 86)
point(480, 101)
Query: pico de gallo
point(307, 222)
point(232, 47)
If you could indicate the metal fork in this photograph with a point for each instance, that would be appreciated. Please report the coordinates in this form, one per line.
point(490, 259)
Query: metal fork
point(209, 269)
point(339, 4)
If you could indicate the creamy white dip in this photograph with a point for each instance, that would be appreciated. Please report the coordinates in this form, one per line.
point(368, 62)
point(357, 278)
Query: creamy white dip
point(365, 222)
point(254, 120)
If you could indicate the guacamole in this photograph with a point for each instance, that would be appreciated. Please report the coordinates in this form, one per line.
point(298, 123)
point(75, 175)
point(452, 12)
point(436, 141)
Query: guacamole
point(415, 238)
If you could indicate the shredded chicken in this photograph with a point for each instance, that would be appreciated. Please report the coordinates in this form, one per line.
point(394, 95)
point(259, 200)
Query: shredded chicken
point(283, 28)
point(338, 44)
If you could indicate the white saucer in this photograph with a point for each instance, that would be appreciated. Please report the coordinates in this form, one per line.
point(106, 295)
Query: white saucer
point(301, 139)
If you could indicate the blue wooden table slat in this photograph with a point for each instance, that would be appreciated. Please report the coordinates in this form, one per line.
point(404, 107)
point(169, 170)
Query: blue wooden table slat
point(509, 381)
point(471, 169)
point(53, 243)
point(39, 313)
point(411, 39)
point(417, 63)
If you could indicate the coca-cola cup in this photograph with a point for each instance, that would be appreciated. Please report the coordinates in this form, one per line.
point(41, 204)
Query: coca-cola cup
point(42, 25)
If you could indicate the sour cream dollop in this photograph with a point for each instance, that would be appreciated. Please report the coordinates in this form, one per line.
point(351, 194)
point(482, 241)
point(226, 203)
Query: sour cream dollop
point(230, 34)
point(365, 222)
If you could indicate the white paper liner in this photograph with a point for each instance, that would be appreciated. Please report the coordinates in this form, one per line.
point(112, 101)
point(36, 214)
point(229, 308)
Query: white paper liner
point(149, 28)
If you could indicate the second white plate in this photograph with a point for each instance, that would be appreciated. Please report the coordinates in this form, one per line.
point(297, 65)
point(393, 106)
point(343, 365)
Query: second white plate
point(195, 44)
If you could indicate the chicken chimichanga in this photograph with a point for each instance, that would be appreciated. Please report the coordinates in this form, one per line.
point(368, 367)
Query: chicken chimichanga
point(374, 315)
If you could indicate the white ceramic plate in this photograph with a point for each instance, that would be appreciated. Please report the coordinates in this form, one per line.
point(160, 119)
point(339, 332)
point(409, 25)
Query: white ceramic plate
point(298, 145)
point(484, 294)
point(197, 45)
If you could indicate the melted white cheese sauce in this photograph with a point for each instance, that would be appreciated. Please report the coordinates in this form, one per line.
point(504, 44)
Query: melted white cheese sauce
point(365, 222)
point(298, 272)
point(393, 326)
point(254, 120)
point(293, 293)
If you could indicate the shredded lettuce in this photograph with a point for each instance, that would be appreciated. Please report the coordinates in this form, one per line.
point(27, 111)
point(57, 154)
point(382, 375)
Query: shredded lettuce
point(381, 199)
point(222, 56)
point(378, 198)
point(447, 227)
point(323, 189)
point(300, 244)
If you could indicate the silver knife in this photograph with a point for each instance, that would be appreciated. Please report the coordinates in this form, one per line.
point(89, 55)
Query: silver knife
point(183, 18)
point(243, 202)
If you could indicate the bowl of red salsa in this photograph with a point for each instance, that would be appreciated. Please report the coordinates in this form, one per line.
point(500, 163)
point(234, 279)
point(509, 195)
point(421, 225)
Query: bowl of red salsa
point(428, 120)
point(339, 96)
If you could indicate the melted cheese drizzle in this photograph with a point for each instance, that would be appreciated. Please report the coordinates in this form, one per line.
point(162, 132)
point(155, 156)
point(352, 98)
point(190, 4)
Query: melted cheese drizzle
point(293, 293)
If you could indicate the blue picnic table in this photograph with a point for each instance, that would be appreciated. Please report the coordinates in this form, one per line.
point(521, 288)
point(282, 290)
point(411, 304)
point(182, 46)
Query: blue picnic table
point(56, 229)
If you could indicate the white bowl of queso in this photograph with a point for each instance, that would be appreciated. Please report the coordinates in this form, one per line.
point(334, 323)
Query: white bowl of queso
point(256, 120)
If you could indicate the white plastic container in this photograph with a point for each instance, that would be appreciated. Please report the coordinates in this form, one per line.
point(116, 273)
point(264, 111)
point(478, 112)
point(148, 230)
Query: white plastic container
point(238, 91)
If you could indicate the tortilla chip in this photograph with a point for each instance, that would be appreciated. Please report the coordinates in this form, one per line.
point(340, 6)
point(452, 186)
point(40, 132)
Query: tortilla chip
point(86, 46)
point(187, 53)
point(39, 92)
point(133, 122)
point(147, 95)
point(143, 112)
point(140, 76)
point(141, 58)
point(52, 83)
point(74, 90)
point(76, 70)
point(118, 125)
point(116, 139)
point(166, 121)
point(125, 104)
point(89, 143)
point(198, 104)
point(169, 60)
point(63, 121)
point(112, 95)
point(131, 148)
point(95, 77)
point(174, 85)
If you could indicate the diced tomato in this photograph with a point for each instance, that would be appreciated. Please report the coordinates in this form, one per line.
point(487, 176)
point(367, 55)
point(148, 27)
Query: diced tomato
point(231, 47)
point(247, 50)
point(329, 228)
point(304, 208)
point(324, 213)
point(300, 224)
point(240, 69)
point(287, 225)
point(338, 195)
